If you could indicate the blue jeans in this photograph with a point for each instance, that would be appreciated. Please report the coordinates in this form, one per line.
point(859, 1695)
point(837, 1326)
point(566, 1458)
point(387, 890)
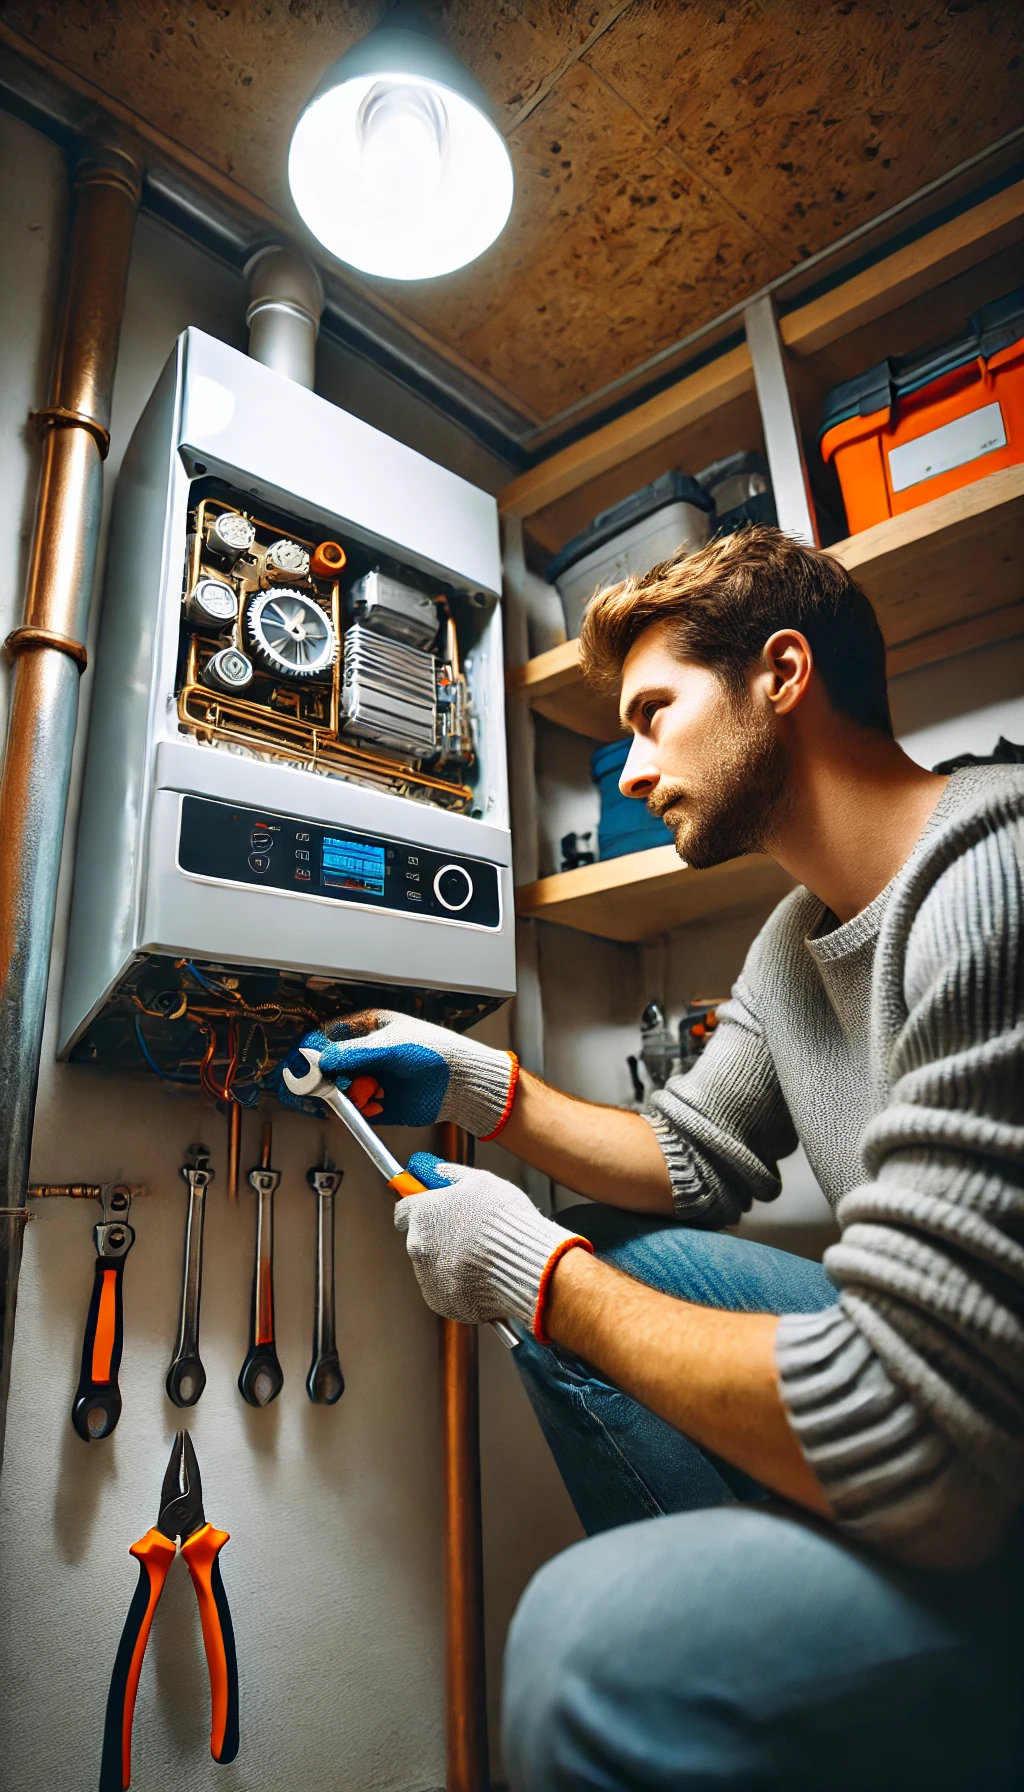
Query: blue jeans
point(711, 1637)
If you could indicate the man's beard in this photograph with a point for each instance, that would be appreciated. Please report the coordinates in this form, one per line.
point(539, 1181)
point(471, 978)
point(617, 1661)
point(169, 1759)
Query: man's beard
point(738, 803)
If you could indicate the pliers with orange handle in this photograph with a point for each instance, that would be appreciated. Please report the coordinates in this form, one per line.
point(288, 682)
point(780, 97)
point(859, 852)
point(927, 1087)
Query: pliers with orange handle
point(181, 1515)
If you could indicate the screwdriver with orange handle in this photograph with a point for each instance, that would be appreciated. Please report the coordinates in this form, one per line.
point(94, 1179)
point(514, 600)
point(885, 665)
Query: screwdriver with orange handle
point(181, 1515)
point(96, 1407)
point(303, 1077)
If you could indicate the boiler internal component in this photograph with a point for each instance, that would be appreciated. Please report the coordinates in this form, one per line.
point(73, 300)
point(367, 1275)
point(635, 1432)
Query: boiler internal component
point(290, 633)
point(288, 558)
point(211, 604)
point(228, 535)
point(394, 609)
point(389, 692)
point(228, 670)
point(328, 560)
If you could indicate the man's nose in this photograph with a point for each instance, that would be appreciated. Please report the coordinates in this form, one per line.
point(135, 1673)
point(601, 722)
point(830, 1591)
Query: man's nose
point(639, 774)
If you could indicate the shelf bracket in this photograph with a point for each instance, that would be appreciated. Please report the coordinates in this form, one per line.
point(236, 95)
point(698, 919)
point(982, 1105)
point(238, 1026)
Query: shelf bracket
point(793, 502)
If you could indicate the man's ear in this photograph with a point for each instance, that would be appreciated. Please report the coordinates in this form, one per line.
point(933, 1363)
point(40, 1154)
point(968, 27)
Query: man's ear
point(787, 664)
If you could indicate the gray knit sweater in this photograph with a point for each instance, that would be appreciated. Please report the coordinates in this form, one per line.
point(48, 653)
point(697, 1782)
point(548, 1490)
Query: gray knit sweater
point(893, 1048)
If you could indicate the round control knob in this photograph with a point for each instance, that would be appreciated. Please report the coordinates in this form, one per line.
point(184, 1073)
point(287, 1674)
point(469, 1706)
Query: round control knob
point(211, 604)
point(288, 558)
point(229, 535)
point(228, 670)
point(453, 887)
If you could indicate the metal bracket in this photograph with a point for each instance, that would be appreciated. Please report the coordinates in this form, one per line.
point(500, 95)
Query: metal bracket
point(793, 502)
point(85, 1191)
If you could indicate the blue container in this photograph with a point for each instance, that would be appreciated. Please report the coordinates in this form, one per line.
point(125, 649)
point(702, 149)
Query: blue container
point(626, 824)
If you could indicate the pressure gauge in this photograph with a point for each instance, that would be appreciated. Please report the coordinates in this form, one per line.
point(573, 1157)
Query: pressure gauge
point(228, 670)
point(288, 558)
point(211, 604)
point(290, 634)
point(229, 535)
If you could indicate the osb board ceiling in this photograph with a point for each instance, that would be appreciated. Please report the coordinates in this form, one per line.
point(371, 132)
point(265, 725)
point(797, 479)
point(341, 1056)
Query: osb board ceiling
point(670, 155)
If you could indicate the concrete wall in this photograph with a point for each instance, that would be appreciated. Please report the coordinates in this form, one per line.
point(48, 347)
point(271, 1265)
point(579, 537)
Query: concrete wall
point(334, 1564)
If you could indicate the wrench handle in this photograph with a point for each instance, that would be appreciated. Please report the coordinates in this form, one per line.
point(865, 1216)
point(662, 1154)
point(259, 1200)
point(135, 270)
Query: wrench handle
point(97, 1404)
point(261, 1377)
point(186, 1377)
point(325, 1382)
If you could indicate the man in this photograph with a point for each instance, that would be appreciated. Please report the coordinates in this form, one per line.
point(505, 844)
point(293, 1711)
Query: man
point(799, 1482)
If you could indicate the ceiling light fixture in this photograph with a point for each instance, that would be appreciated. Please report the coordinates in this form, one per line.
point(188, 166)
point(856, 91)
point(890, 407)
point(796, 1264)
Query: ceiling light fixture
point(396, 165)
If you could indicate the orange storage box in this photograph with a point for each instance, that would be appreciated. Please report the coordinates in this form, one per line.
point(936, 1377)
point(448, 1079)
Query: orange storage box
point(919, 426)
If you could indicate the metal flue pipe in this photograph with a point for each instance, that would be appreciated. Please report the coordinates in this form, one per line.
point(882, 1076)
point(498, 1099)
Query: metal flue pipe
point(49, 655)
point(286, 298)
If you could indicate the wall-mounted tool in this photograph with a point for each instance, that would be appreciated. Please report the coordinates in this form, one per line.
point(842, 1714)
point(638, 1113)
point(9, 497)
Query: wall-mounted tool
point(181, 1515)
point(186, 1377)
point(261, 1377)
point(325, 1383)
point(97, 1404)
point(311, 1082)
point(659, 1051)
point(696, 1028)
point(577, 850)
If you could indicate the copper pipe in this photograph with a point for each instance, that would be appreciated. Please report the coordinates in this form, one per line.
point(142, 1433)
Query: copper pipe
point(465, 1671)
point(49, 653)
point(234, 1147)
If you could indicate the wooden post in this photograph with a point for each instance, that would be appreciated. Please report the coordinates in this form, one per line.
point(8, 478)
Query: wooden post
point(465, 1672)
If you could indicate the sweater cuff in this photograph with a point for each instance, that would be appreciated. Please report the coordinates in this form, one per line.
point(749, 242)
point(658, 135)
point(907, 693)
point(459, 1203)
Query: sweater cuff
point(689, 1193)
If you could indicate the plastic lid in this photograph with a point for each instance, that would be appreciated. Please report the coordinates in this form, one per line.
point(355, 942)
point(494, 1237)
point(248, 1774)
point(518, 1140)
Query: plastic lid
point(671, 488)
point(990, 329)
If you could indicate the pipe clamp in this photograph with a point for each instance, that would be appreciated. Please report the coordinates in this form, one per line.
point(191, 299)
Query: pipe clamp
point(57, 416)
point(31, 640)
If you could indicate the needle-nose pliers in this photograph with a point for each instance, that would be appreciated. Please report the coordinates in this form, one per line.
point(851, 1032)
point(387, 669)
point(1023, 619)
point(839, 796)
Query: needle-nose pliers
point(181, 1515)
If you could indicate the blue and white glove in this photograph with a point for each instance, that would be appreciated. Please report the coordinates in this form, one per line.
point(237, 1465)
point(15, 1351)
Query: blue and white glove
point(479, 1247)
point(411, 1073)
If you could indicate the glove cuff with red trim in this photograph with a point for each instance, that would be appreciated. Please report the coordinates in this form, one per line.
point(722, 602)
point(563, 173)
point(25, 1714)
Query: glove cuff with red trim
point(480, 1248)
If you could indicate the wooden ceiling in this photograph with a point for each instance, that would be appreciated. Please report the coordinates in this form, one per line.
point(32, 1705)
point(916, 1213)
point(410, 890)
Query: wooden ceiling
point(671, 156)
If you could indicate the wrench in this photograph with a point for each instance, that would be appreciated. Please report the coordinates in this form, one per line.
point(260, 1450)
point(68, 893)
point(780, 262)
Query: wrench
point(261, 1377)
point(186, 1377)
point(325, 1383)
point(399, 1181)
point(97, 1402)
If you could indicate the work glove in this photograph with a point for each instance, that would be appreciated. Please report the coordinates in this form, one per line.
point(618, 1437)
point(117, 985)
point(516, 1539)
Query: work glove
point(410, 1073)
point(479, 1248)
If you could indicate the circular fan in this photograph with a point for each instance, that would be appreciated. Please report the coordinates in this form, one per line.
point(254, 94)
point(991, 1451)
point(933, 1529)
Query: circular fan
point(290, 634)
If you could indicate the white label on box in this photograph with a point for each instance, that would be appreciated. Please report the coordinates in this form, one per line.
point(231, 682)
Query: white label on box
point(951, 446)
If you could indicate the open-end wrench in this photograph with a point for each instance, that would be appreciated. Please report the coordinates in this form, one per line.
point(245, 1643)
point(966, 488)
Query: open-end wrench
point(186, 1377)
point(261, 1377)
point(97, 1403)
point(399, 1181)
point(325, 1383)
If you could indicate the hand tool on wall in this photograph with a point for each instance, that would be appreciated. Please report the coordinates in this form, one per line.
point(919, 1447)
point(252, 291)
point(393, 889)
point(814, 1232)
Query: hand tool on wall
point(181, 1515)
point(97, 1404)
point(325, 1383)
point(186, 1377)
point(261, 1377)
point(312, 1082)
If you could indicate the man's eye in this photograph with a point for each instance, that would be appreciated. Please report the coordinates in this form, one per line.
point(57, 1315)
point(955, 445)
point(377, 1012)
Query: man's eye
point(651, 709)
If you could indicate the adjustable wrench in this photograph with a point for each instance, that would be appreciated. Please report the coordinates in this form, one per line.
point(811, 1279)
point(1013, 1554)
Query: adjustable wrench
point(97, 1403)
point(399, 1181)
point(325, 1383)
point(261, 1377)
point(186, 1377)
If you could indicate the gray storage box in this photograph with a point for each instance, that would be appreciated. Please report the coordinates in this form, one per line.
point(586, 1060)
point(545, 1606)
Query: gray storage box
point(672, 513)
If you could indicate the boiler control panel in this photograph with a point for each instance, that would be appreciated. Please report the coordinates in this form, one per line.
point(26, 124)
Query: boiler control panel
point(229, 844)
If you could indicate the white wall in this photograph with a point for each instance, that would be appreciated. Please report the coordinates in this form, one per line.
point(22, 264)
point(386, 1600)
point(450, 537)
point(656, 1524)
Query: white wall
point(334, 1567)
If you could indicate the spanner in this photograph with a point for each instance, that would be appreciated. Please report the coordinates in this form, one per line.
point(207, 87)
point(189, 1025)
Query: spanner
point(261, 1377)
point(97, 1403)
point(325, 1383)
point(186, 1377)
point(399, 1181)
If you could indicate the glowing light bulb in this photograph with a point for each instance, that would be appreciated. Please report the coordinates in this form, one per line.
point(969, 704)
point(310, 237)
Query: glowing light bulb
point(403, 129)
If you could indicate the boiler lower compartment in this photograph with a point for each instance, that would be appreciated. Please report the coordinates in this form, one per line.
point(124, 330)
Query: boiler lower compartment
point(223, 1028)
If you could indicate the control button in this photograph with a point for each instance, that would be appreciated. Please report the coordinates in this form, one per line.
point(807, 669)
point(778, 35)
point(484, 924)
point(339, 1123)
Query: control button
point(301, 853)
point(303, 874)
point(260, 840)
point(412, 877)
point(259, 861)
point(414, 896)
point(453, 887)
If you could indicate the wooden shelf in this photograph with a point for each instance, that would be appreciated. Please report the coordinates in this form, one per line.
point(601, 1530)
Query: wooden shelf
point(944, 578)
point(645, 894)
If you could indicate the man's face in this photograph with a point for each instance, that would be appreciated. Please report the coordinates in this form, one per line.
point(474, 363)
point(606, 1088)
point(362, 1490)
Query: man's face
point(710, 764)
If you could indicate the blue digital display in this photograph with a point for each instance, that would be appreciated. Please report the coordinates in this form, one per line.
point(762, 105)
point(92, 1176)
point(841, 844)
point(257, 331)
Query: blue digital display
point(352, 865)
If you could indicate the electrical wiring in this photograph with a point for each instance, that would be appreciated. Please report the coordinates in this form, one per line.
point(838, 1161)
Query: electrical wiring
point(167, 1076)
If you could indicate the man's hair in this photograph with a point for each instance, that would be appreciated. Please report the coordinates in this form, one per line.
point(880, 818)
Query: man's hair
point(724, 602)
